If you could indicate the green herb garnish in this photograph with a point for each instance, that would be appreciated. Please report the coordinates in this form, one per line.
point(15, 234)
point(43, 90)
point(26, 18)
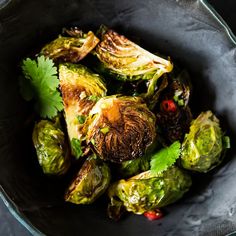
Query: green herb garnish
point(165, 158)
point(105, 130)
point(40, 83)
point(81, 119)
point(93, 98)
point(76, 147)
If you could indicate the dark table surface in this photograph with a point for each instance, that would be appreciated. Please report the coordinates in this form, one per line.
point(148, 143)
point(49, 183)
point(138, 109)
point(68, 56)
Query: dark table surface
point(9, 226)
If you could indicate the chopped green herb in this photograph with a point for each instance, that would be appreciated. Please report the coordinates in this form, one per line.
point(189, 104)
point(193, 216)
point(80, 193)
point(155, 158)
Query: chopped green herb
point(105, 130)
point(93, 98)
point(92, 141)
point(76, 147)
point(81, 119)
point(179, 101)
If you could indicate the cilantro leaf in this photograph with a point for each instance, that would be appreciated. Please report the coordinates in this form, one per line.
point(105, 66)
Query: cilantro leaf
point(165, 158)
point(49, 103)
point(41, 84)
point(48, 72)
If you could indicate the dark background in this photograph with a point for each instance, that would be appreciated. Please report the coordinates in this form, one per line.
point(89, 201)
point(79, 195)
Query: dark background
point(9, 226)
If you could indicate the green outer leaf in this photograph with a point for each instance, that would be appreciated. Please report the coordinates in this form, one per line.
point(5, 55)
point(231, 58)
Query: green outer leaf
point(145, 192)
point(226, 142)
point(165, 158)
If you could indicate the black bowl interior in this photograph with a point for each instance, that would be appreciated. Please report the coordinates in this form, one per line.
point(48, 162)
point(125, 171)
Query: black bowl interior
point(184, 29)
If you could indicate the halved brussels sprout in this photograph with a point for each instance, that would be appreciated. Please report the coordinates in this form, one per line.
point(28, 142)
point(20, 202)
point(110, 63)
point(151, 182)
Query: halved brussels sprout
point(120, 128)
point(71, 48)
point(147, 191)
point(203, 145)
point(51, 149)
point(90, 183)
point(128, 61)
point(80, 89)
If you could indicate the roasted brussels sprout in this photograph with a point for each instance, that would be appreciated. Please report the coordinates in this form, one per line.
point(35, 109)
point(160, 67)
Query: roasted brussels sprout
point(133, 167)
point(129, 168)
point(147, 191)
point(120, 128)
point(172, 112)
point(127, 61)
point(51, 148)
point(173, 121)
point(91, 182)
point(80, 91)
point(203, 145)
point(71, 48)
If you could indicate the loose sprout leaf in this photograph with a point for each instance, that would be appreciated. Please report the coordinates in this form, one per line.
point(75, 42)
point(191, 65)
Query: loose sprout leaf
point(93, 98)
point(165, 158)
point(76, 147)
point(41, 83)
point(226, 142)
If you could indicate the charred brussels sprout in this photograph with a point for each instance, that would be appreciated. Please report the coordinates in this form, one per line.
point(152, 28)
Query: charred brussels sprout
point(203, 145)
point(120, 128)
point(80, 89)
point(173, 113)
point(147, 191)
point(91, 182)
point(129, 62)
point(72, 48)
point(52, 151)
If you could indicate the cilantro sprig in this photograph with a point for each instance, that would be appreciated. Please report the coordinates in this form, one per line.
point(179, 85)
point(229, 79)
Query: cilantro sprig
point(40, 83)
point(165, 158)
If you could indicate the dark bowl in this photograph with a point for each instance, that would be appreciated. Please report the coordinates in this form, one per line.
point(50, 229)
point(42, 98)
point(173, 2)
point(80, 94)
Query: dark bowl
point(187, 30)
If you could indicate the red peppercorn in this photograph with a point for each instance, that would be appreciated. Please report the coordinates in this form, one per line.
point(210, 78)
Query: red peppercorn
point(168, 105)
point(153, 215)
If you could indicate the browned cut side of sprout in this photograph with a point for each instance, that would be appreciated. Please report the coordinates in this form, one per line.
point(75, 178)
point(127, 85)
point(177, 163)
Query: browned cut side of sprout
point(90, 183)
point(120, 128)
point(128, 60)
point(71, 48)
point(80, 91)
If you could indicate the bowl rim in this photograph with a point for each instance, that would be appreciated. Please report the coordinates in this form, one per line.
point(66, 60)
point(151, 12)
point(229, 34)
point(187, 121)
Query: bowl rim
point(12, 207)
